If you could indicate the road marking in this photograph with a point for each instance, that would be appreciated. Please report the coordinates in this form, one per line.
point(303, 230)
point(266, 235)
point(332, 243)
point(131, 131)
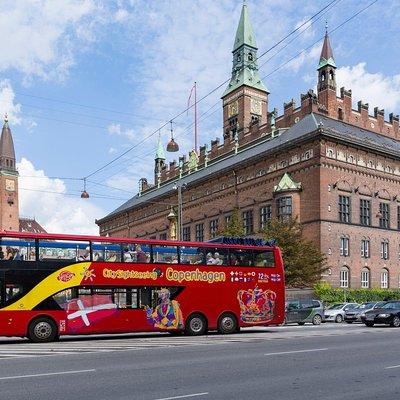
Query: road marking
point(393, 366)
point(48, 374)
point(294, 352)
point(185, 396)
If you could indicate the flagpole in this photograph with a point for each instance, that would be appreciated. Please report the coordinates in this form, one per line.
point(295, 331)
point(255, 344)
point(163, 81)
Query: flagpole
point(195, 116)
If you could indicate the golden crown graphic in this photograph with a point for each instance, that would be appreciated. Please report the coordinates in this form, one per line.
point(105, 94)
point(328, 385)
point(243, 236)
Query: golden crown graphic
point(256, 306)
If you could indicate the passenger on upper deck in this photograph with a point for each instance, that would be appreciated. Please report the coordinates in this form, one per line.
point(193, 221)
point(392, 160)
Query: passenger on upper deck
point(140, 255)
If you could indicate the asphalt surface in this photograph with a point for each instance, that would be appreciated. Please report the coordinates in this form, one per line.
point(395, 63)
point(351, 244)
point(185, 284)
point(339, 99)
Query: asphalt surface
point(330, 361)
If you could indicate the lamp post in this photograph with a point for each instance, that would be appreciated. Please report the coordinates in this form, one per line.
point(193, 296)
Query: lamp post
point(179, 187)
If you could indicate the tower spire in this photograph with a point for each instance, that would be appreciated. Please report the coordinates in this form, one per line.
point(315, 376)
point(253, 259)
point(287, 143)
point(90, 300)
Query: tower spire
point(245, 68)
point(326, 57)
point(7, 153)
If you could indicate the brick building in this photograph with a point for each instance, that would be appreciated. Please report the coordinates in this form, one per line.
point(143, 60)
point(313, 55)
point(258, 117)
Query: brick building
point(334, 167)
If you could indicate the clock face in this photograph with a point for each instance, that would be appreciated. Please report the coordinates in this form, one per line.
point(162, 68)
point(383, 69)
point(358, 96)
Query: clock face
point(233, 109)
point(10, 185)
point(256, 107)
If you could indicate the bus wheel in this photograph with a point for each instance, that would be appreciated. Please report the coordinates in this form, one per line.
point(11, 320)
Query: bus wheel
point(227, 324)
point(42, 330)
point(196, 325)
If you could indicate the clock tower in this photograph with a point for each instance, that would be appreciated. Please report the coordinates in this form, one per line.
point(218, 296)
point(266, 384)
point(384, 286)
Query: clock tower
point(9, 211)
point(245, 100)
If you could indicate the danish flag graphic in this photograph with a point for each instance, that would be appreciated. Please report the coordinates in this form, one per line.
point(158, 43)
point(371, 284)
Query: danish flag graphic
point(87, 310)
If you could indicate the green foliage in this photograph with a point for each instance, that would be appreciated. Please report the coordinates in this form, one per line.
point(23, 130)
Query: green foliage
point(303, 262)
point(235, 226)
point(327, 294)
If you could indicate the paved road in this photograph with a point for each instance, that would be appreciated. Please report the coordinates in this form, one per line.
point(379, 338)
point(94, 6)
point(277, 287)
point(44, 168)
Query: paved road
point(325, 362)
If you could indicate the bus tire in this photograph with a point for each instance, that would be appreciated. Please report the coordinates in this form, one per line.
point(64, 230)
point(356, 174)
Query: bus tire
point(42, 329)
point(227, 324)
point(196, 325)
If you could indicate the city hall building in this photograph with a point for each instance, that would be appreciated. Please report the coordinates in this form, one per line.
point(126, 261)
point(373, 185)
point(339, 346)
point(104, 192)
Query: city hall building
point(335, 168)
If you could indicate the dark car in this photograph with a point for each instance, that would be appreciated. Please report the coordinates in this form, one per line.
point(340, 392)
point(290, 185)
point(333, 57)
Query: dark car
point(354, 315)
point(388, 314)
point(302, 311)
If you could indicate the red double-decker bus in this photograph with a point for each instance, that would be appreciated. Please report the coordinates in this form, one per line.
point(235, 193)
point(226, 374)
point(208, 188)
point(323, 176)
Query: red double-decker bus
point(52, 285)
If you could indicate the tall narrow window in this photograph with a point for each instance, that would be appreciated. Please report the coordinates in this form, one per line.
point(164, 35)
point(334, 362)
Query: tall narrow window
point(365, 246)
point(186, 233)
point(213, 228)
point(384, 215)
point(385, 249)
point(344, 209)
point(398, 218)
point(163, 236)
point(344, 277)
point(200, 232)
point(365, 212)
point(248, 222)
point(265, 216)
point(365, 278)
point(384, 278)
point(284, 206)
point(344, 246)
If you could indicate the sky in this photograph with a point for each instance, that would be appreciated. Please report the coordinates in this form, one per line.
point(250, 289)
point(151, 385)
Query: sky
point(84, 81)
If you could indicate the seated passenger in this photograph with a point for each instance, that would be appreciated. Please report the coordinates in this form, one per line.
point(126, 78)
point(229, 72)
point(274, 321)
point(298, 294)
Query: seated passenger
point(17, 255)
point(217, 259)
point(174, 260)
point(209, 259)
point(140, 255)
point(127, 255)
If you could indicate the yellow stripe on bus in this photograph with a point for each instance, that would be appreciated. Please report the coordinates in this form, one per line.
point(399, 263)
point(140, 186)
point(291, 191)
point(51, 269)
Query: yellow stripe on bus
point(62, 279)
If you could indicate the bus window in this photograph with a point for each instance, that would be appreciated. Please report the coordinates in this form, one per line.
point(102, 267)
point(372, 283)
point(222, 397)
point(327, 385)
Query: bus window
point(136, 253)
point(109, 252)
point(12, 291)
point(216, 255)
point(264, 258)
point(243, 258)
point(17, 249)
point(191, 255)
point(51, 250)
point(165, 254)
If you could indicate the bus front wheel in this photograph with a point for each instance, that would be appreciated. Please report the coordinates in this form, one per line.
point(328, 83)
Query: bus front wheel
point(196, 325)
point(227, 324)
point(42, 330)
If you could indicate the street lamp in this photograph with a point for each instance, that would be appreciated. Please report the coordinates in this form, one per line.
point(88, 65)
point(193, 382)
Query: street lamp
point(84, 194)
point(179, 187)
point(172, 146)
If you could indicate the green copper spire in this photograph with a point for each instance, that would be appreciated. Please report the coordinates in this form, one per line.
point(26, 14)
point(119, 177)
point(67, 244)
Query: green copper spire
point(244, 32)
point(160, 155)
point(245, 68)
point(326, 57)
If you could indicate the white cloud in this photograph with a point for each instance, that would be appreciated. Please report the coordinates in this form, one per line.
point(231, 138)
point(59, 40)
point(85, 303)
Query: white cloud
point(306, 57)
point(116, 129)
point(7, 103)
point(37, 36)
point(374, 88)
point(44, 198)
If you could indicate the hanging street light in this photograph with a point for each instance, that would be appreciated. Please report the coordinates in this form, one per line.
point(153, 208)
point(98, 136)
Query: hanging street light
point(84, 194)
point(172, 146)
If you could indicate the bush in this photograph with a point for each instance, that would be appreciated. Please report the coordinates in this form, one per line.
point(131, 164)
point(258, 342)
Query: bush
point(327, 294)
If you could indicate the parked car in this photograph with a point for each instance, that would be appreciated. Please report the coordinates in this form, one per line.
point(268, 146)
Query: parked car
point(354, 315)
point(388, 313)
point(336, 312)
point(302, 311)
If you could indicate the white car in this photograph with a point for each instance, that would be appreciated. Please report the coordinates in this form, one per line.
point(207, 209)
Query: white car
point(335, 313)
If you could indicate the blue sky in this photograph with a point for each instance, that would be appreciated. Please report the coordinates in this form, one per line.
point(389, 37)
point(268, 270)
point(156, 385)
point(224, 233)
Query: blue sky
point(84, 80)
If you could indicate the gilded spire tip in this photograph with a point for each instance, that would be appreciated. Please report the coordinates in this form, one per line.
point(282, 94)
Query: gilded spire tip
point(5, 117)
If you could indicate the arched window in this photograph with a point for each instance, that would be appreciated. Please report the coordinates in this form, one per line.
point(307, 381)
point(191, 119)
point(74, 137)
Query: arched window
point(250, 57)
point(384, 278)
point(331, 74)
point(323, 76)
point(344, 277)
point(365, 278)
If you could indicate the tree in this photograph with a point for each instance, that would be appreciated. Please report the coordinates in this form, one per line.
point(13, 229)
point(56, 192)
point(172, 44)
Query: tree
point(303, 262)
point(235, 225)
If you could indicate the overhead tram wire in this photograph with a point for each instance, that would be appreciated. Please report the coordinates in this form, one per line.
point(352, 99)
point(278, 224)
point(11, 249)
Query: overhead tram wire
point(320, 39)
point(198, 101)
point(88, 106)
